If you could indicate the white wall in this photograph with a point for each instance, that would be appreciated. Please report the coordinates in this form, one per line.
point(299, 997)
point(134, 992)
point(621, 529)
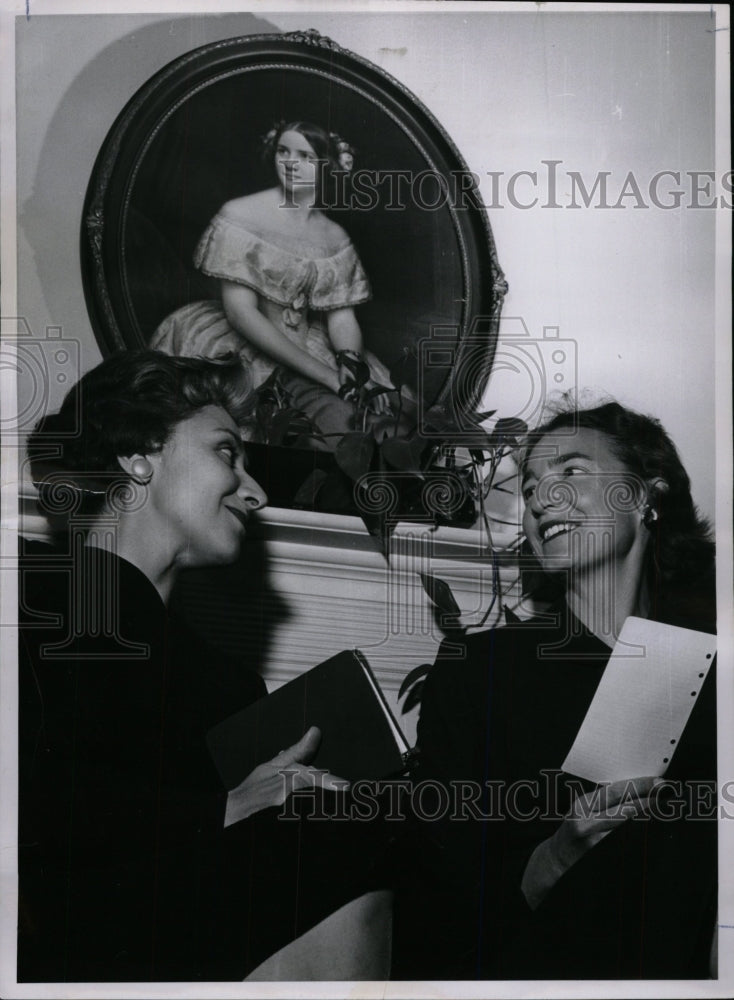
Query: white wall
point(632, 288)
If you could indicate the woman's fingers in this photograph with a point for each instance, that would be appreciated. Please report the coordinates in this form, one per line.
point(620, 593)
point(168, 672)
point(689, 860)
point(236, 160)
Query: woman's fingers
point(595, 814)
point(627, 789)
point(295, 759)
point(607, 819)
point(381, 404)
point(591, 818)
point(313, 777)
point(301, 752)
point(271, 783)
point(612, 798)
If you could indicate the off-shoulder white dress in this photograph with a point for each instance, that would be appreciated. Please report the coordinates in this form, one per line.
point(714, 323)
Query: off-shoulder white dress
point(297, 284)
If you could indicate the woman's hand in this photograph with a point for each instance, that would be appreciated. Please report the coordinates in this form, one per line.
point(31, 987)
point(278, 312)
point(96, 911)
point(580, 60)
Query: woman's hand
point(355, 383)
point(346, 386)
point(241, 308)
point(591, 818)
point(266, 786)
point(380, 404)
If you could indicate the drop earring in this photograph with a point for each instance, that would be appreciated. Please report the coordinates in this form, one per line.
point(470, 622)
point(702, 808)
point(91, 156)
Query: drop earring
point(649, 515)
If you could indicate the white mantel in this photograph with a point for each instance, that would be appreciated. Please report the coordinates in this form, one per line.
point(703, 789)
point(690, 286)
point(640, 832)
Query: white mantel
point(335, 590)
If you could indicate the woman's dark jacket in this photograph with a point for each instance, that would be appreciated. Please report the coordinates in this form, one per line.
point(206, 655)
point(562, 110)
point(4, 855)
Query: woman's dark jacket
point(125, 869)
point(499, 713)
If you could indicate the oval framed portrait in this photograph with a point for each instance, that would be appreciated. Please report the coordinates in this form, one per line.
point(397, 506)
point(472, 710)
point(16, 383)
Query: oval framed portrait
point(191, 140)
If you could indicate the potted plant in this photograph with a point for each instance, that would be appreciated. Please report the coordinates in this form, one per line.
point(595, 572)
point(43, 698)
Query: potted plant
point(441, 471)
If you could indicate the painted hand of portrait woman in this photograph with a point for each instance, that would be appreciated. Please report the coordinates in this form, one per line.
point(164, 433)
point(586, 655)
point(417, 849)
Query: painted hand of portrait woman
point(267, 786)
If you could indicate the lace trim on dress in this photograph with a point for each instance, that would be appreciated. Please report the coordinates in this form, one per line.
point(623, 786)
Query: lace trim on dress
point(294, 279)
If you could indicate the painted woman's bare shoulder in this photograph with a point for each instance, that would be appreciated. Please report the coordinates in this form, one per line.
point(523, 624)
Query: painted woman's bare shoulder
point(250, 206)
point(332, 232)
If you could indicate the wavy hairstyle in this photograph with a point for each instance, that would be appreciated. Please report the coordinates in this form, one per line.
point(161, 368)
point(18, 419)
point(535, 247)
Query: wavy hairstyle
point(128, 404)
point(328, 147)
point(681, 554)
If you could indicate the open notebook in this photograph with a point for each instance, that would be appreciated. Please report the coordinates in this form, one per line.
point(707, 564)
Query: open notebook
point(642, 703)
point(359, 735)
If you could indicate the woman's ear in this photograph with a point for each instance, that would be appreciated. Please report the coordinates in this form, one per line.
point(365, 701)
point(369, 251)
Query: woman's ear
point(655, 490)
point(138, 467)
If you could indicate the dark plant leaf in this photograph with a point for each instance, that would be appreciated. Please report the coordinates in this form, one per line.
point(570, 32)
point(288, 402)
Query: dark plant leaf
point(464, 433)
point(404, 369)
point(354, 453)
point(510, 617)
point(472, 421)
point(381, 529)
point(267, 403)
point(402, 453)
point(437, 418)
point(440, 593)
point(481, 417)
point(451, 625)
point(280, 424)
point(267, 389)
point(336, 493)
point(511, 425)
point(508, 430)
point(358, 369)
point(507, 479)
point(412, 676)
point(273, 392)
point(264, 415)
point(464, 438)
point(478, 455)
point(267, 396)
point(413, 698)
point(301, 426)
point(498, 440)
point(376, 390)
point(309, 488)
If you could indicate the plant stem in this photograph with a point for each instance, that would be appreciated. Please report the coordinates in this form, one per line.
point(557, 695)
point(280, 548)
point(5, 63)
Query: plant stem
point(483, 494)
point(399, 413)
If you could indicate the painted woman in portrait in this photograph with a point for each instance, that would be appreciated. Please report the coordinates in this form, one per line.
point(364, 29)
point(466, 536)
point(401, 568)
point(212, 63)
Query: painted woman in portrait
point(290, 279)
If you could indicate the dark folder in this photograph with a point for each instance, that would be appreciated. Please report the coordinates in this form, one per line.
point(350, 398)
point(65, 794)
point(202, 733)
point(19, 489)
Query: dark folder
point(359, 735)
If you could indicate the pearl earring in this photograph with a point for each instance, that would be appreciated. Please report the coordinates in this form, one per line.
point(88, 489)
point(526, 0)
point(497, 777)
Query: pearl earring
point(142, 470)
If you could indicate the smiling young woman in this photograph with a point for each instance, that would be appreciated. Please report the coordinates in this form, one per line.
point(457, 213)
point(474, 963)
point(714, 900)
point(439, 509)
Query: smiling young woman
point(199, 498)
point(518, 886)
point(584, 518)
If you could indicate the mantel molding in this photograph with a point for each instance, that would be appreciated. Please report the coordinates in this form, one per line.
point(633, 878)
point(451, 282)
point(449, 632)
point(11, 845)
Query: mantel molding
point(346, 532)
point(330, 588)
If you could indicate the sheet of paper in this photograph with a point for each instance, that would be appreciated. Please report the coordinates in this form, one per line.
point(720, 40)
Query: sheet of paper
point(643, 702)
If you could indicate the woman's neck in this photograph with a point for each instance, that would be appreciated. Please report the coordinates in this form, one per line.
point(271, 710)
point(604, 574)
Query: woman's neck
point(299, 202)
point(136, 547)
point(603, 597)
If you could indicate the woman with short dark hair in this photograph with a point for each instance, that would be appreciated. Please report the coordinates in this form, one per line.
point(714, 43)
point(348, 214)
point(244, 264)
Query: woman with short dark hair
point(135, 863)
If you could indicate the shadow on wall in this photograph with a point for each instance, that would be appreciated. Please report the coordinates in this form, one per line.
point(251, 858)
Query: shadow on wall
point(51, 216)
point(234, 608)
